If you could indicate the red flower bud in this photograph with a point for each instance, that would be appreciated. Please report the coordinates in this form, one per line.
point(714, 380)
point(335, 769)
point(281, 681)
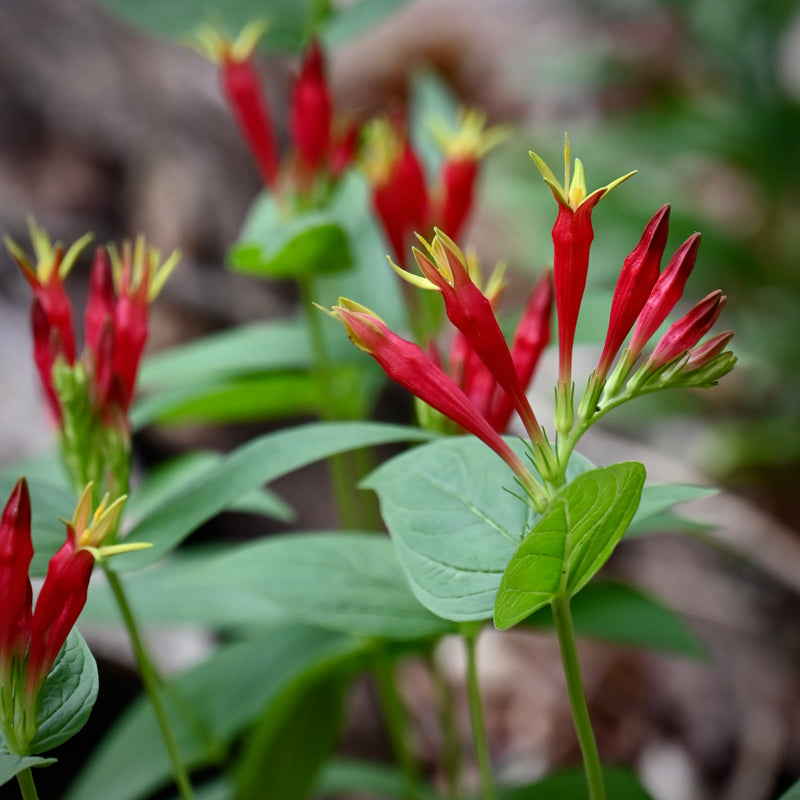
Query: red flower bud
point(401, 200)
point(16, 552)
point(701, 355)
point(639, 274)
point(530, 339)
point(666, 293)
point(684, 334)
point(311, 111)
point(47, 347)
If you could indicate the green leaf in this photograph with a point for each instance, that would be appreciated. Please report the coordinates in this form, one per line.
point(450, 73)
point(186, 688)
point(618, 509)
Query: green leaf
point(356, 18)
point(258, 462)
point(620, 613)
point(11, 765)
point(453, 524)
point(291, 742)
point(272, 246)
point(792, 794)
point(168, 593)
point(365, 779)
point(49, 501)
point(350, 582)
point(208, 707)
point(289, 20)
point(68, 695)
point(173, 477)
point(571, 785)
point(275, 345)
point(659, 497)
point(273, 395)
point(572, 540)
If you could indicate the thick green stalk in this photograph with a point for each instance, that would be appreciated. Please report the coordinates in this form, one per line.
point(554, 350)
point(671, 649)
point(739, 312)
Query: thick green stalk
point(26, 785)
point(577, 698)
point(395, 718)
point(150, 681)
point(476, 716)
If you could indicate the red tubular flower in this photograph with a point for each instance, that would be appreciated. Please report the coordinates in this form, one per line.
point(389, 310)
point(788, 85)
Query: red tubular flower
point(241, 86)
point(530, 340)
point(572, 239)
point(343, 147)
point(16, 552)
point(458, 187)
point(463, 149)
point(63, 592)
point(47, 348)
point(400, 197)
point(684, 334)
point(58, 606)
point(407, 364)
point(51, 314)
point(665, 294)
point(472, 313)
point(117, 317)
point(311, 111)
point(640, 271)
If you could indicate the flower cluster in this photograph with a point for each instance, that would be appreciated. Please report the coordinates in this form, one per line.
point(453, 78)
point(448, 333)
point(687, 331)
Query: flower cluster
point(90, 397)
point(401, 197)
point(323, 146)
point(31, 638)
point(487, 380)
point(643, 299)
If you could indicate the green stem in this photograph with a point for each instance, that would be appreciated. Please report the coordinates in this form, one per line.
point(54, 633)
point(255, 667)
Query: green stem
point(341, 479)
point(577, 699)
point(395, 718)
point(26, 785)
point(451, 750)
point(150, 681)
point(476, 716)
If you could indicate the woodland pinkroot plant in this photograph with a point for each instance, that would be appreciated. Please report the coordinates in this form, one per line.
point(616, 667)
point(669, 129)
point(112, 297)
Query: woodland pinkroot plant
point(580, 513)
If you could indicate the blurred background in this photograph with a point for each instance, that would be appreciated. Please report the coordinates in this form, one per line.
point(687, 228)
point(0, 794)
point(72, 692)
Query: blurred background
point(105, 125)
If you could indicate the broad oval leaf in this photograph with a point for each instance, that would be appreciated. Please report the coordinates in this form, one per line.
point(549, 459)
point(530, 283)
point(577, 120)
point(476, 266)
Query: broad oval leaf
point(11, 764)
point(349, 582)
point(453, 524)
point(571, 541)
point(68, 695)
point(250, 466)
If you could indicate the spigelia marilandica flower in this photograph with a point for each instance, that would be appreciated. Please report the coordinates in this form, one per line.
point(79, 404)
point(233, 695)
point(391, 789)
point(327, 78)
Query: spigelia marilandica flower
point(445, 269)
point(16, 552)
point(572, 239)
point(399, 190)
point(123, 285)
point(531, 337)
point(241, 86)
point(51, 312)
point(31, 638)
point(407, 364)
point(90, 397)
point(323, 146)
point(401, 195)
